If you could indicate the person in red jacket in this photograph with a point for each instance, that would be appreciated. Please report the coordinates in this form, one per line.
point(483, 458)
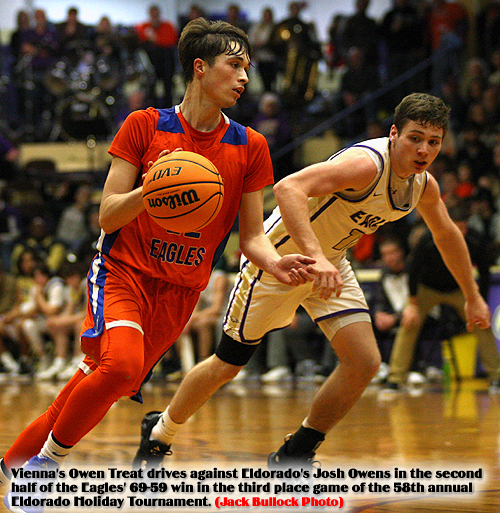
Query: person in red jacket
point(159, 39)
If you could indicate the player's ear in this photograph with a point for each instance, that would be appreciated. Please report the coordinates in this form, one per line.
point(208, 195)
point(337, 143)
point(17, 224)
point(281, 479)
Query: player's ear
point(393, 134)
point(199, 66)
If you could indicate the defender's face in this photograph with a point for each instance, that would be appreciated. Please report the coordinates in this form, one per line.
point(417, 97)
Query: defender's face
point(414, 149)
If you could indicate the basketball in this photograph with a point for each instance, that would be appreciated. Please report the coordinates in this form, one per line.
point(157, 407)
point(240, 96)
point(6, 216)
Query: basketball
point(183, 191)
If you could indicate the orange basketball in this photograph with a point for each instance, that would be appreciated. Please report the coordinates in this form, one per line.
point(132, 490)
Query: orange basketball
point(183, 191)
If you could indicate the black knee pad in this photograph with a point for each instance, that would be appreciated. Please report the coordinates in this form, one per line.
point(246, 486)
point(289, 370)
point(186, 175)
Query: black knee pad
point(233, 352)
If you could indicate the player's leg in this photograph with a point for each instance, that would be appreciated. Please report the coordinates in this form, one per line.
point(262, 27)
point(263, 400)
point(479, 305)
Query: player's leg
point(359, 360)
point(258, 304)
point(158, 429)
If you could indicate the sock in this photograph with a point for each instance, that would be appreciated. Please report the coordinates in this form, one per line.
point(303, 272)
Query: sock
point(304, 440)
point(54, 450)
point(165, 429)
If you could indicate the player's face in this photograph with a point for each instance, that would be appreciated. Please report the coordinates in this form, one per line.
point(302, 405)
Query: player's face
point(414, 149)
point(225, 80)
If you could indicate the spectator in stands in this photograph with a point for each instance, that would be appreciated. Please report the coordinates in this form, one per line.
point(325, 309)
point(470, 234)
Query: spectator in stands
point(402, 33)
point(296, 44)
point(10, 299)
point(261, 34)
point(64, 327)
point(333, 53)
point(447, 24)
point(72, 227)
point(465, 188)
point(361, 31)
point(48, 297)
point(195, 11)
point(432, 284)
point(74, 37)
point(23, 23)
point(159, 38)
point(46, 246)
point(39, 50)
point(488, 28)
point(107, 46)
point(275, 126)
point(10, 227)
point(208, 314)
point(474, 151)
point(450, 92)
point(294, 351)
point(360, 78)
point(485, 220)
point(389, 299)
point(236, 18)
point(87, 249)
point(9, 159)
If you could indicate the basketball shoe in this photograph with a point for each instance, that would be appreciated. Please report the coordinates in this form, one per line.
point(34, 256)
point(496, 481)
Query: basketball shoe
point(283, 459)
point(151, 452)
point(29, 487)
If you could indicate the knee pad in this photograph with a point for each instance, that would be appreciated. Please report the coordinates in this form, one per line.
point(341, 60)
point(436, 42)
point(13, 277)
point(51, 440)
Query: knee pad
point(233, 352)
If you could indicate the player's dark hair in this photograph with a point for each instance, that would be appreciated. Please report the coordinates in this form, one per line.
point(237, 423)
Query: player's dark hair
point(422, 108)
point(206, 40)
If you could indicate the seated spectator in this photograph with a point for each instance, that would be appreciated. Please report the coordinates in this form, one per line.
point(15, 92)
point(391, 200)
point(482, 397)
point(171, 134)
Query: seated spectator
point(72, 226)
point(274, 125)
point(294, 351)
point(45, 245)
point(432, 284)
point(388, 302)
point(10, 298)
point(208, 314)
point(64, 327)
point(10, 227)
point(48, 297)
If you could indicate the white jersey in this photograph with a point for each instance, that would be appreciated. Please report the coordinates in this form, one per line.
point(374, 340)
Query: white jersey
point(259, 303)
point(340, 219)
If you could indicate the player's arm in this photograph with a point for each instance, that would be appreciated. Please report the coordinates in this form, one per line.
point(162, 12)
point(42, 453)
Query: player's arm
point(353, 169)
point(289, 269)
point(453, 248)
point(120, 202)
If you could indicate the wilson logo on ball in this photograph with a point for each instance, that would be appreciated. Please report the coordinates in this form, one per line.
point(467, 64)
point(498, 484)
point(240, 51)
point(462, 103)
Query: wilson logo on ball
point(183, 191)
point(175, 200)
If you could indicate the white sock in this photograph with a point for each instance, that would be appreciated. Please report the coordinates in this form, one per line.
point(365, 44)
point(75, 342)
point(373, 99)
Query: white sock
point(165, 429)
point(51, 449)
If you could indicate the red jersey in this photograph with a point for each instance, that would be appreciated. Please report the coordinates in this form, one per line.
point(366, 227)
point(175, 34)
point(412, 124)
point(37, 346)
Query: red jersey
point(242, 157)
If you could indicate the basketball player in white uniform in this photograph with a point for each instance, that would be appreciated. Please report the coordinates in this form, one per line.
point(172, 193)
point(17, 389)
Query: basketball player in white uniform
point(323, 210)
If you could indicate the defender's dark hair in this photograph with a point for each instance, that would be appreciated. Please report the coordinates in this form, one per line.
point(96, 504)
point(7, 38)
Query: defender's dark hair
point(424, 109)
point(206, 40)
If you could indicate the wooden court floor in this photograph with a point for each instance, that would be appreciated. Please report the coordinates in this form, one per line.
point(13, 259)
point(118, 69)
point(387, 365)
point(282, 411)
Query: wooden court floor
point(429, 429)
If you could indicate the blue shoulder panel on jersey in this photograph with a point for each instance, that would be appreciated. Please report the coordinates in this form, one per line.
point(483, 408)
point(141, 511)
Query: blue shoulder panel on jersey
point(236, 134)
point(169, 121)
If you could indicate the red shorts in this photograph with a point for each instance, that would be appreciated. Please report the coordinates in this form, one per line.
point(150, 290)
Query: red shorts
point(121, 296)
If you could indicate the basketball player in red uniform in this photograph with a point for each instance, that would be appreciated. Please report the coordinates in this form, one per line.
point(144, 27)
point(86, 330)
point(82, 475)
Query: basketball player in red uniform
point(145, 281)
